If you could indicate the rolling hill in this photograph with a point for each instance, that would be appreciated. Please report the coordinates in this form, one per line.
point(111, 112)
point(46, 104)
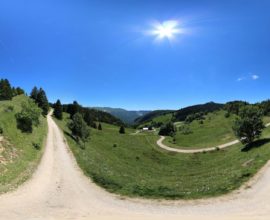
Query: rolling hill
point(126, 116)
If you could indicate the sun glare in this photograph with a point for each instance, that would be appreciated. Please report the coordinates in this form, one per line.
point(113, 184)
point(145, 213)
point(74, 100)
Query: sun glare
point(166, 29)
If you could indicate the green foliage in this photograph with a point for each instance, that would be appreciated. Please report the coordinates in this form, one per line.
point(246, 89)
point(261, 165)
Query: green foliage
point(196, 116)
point(21, 158)
point(99, 127)
point(91, 115)
point(167, 129)
point(17, 91)
point(249, 125)
point(28, 117)
point(1, 130)
point(5, 90)
point(122, 130)
point(183, 113)
point(58, 110)
point(265, 107)
point(40, 98)
point(36, 146)
point(234, 107)
point(79, 128)
point(185, 129)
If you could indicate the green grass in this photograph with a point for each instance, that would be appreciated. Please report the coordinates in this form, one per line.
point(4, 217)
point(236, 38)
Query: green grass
point(159, 119)
point(18, 158)
point(215, 130)
point(134, 166)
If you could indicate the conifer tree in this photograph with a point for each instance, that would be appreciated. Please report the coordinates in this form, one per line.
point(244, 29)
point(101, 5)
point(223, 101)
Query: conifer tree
point(42, 101)
point(5, 90)
point(58, 110)
point(34, 93)
point(99, 127)
point(122, 130)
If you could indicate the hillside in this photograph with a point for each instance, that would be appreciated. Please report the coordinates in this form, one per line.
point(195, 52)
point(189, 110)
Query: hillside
point(151, 115)
point(133, 165)
point(181, 114)
point(92, 115)
point(126, 116)
point(18, 155)
point(214, 130)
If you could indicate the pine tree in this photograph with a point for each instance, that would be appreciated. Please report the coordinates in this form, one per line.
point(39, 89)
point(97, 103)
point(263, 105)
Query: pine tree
point(122, 130)
point(58, 110)
point(99, 127)
point(5, 90)
point(34, 93)
point(20, 91)
point(79, 128)
point(42, 101)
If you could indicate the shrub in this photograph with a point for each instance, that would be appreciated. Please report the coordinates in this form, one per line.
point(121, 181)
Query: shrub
point(36, 146)
point(167, 129)
point(1, 130)
point(79, 128)
point(122, 130)
point(28, 117)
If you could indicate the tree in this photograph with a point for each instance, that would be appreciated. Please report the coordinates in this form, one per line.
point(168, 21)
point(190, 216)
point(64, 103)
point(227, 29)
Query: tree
point(39, 96)
point(58, 110)
point(99, 127)
point(6, 92)
point(122, 130)
point(28, 117)
point(34, 93)
point(167, 129)
point(249, 125)
point(79, 128)
point(74, 108)
point(20, 91)
point(42, 101)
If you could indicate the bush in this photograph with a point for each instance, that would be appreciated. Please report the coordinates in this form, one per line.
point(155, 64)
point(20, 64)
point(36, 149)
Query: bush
point(122, 130)
point(167, 129)
point(114, 145)
point(1, 130)
point(36, 146)
point(79, 128)
point(28, 117)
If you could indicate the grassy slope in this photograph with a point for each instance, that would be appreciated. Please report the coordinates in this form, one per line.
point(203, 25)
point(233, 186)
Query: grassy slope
point(137, 167)
point(215, 130)
point(161, 118)
point(16, 170)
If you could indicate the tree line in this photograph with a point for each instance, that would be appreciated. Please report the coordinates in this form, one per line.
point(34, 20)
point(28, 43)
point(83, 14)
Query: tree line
point(7, 92)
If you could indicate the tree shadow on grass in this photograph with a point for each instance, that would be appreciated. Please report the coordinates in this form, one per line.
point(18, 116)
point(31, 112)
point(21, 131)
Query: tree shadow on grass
point(70, 135)
point(255, 144)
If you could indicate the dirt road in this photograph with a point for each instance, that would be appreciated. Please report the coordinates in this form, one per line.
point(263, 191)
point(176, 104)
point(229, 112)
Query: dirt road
point(200, 150)
point(59, 190)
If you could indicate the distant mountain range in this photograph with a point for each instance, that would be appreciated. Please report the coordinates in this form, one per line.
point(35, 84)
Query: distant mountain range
point(126, 116)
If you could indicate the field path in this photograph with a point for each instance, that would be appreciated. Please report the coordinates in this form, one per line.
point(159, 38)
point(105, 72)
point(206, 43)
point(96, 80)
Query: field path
point(200, 150)
point(59, 190)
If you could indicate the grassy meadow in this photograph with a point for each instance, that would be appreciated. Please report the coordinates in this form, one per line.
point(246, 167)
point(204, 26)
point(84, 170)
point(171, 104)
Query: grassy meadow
point(215, 130)
point(18, 156)
point(134, 166)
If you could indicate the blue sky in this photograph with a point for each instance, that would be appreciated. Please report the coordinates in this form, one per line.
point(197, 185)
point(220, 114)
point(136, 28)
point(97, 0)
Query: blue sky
point(98, 53)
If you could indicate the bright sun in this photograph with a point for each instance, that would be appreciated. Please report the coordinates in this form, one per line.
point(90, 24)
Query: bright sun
point(166, 29)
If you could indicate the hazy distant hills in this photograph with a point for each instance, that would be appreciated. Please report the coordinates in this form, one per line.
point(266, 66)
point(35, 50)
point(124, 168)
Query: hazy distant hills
point(125, 115)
